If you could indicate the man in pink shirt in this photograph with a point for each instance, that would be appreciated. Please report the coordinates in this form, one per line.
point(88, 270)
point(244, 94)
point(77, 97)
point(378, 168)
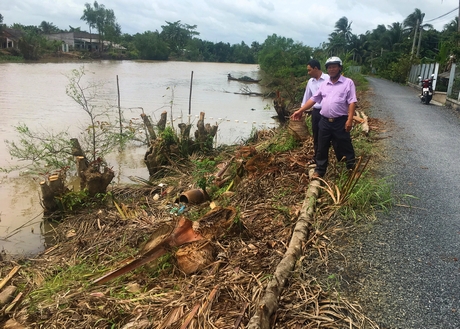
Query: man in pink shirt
point(338, 103)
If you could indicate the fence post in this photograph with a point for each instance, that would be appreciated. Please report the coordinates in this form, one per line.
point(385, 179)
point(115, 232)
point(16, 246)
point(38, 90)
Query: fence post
point(436, 70)
point(451, 79)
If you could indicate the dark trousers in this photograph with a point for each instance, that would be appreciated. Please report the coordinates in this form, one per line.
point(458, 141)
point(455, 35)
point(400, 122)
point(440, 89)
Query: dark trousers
point(315, 117)
point(335, 133)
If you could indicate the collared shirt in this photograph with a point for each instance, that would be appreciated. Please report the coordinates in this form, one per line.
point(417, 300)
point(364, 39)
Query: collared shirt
point(335, 97)
point(312, 87)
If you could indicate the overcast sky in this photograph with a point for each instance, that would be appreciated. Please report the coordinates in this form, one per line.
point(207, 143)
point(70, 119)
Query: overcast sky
point(233, 21)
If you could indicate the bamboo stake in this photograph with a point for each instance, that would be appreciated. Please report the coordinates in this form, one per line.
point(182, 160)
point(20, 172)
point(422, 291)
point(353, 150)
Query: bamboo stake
point(190, 97)
point(119, 107)
point(9, 276)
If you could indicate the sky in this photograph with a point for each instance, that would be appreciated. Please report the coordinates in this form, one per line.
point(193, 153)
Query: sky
point(233, 21)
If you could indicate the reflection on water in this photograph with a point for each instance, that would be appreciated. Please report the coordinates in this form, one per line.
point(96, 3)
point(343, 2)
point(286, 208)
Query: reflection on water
point(34, 94)
point(20, 215)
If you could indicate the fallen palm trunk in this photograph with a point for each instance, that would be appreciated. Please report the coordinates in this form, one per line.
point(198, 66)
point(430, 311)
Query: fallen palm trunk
point(268, 305)
point(183, 233)
point(210, 226)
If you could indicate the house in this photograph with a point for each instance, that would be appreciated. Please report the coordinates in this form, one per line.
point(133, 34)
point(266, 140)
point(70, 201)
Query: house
point(9, 38)
point(80, 41)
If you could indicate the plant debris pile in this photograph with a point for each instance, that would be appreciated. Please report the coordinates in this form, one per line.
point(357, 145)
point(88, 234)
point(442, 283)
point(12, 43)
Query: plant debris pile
point(57, 290)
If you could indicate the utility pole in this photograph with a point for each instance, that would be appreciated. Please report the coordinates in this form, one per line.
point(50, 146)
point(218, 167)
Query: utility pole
point(415, 37)
point(419, 41)
point(458, 21)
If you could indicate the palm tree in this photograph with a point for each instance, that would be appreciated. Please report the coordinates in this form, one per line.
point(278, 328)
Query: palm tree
point(48, 28)
point(396, 35)
point(410, 23)
point(343, 28)
point(340, 38)
point(337, 44)
point(357, 47)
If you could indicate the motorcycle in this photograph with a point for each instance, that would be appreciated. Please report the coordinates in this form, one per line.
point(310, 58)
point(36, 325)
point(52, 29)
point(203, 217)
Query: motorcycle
point(427, 89)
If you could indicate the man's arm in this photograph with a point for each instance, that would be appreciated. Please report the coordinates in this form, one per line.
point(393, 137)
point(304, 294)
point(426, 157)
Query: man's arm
point(351, 114)
point(297, 115)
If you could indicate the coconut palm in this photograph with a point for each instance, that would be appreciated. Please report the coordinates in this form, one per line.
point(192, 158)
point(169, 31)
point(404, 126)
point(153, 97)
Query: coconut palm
point(410, 23)
point(48, 28)
point(343, 28)
point(396, 35)
point(340, 38)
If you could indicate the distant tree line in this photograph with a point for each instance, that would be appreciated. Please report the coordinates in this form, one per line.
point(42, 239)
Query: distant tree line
point(388, 50)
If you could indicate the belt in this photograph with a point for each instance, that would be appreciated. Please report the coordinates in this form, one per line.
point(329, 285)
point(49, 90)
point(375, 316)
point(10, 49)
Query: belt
point(335, 119)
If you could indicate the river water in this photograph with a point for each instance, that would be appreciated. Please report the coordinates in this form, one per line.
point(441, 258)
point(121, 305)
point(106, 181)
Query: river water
point(34, 94)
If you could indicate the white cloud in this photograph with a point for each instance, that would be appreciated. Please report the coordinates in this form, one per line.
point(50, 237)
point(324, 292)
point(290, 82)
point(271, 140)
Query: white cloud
point(234, 21)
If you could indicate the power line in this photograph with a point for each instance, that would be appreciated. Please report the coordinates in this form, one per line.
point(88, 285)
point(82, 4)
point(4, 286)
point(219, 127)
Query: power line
point(441, 15)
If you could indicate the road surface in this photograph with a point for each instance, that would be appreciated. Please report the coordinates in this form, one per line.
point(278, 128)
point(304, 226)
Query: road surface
point(409, 260)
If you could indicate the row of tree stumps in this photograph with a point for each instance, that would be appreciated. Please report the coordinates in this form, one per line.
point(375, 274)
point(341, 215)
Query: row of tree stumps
point(163, 150)
point(95, 176)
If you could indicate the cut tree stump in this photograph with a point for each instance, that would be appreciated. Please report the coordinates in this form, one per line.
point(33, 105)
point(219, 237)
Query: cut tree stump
point(96, 181)
point(51, 188)
point(280, 107)
point(163, 151)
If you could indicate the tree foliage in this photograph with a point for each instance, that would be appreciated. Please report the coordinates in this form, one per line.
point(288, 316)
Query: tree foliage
point(177, 35)
point(280, 56)
point(103, 20)
point(151, 46)
point(48, 28)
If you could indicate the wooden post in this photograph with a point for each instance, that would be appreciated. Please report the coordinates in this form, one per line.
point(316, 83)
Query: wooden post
point(119, 108)
point(190, 97)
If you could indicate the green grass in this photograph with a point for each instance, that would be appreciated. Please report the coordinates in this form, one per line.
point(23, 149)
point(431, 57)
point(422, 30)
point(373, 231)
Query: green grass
point(282, 142)
point(368, 197)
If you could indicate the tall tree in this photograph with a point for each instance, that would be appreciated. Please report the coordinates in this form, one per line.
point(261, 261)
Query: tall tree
point(343, 28)
point(102, 19)
point(396, 35)
point(150, 46)
point(177, 35)
point(410, 23)
point(89, 16)
point(340, 38)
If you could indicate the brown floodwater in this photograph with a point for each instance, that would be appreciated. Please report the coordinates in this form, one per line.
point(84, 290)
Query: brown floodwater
point(34, 94)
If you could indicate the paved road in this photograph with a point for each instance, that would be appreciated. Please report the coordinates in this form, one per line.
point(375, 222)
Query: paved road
point(412, 255)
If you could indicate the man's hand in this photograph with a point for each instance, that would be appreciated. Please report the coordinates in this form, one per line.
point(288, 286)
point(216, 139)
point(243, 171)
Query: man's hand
point(348, 125)
point(297, 115)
